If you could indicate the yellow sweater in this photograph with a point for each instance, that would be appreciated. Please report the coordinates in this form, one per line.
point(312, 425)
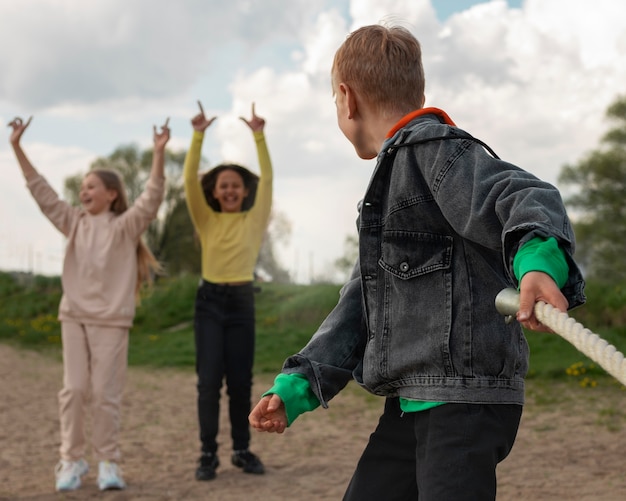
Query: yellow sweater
point(230, 241)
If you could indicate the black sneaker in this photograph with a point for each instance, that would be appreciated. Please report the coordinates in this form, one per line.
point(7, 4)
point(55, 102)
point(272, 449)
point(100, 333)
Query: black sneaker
point(248, 461)
point(207, 464)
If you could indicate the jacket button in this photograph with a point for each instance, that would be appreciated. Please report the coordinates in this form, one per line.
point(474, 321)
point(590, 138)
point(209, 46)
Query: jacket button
point(404, 267)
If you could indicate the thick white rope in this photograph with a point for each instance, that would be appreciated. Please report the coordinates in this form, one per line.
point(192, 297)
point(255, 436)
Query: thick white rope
point(585, 341)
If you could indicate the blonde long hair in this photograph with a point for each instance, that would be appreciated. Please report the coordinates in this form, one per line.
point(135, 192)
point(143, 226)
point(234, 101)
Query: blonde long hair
point(147, 264)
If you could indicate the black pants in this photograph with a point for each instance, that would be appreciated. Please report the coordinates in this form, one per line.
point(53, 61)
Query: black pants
point(224, 337)
point(447, 453)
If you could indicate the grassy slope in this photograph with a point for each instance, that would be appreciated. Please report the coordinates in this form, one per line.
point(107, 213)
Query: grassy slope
point(287, 315)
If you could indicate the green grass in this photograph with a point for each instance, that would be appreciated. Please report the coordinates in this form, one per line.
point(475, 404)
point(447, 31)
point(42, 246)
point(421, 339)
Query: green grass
point(28, 307)
point(552, 357)
point(286, 317)
point(162, 335)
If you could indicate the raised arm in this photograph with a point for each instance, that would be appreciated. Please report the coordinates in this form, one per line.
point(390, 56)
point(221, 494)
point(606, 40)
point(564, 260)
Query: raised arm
point(158, 157)
point(194, 196)
point(256, 123)
point(19, 126)
point(200, 122)
point(145, 208)
point(58, 211)
point(263, 202)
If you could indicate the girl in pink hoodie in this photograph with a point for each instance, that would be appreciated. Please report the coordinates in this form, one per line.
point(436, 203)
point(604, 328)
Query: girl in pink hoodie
point(105, 264)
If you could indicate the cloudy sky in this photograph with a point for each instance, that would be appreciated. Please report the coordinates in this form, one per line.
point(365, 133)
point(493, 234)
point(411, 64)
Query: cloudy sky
point(532, 78)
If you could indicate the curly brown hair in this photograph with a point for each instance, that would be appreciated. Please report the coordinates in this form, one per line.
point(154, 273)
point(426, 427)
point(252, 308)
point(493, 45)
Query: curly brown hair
point(250, 182)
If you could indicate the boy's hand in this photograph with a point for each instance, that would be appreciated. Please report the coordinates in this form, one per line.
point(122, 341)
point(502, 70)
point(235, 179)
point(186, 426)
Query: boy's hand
point(256, 123)
point(200, 121)
point(538, 286)
point(269, 415)
point(161, 138)
point(18, 129)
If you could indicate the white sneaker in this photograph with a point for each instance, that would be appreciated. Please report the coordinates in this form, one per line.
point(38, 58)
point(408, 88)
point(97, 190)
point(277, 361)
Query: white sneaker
point(110, 476)
point(68, 474)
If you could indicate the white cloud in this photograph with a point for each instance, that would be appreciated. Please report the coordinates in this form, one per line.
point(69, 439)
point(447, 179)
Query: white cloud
point(97, 51)
point(534, 83)
point(320, 41)
point(539, 95)
point(417, 14)
point(88, 52)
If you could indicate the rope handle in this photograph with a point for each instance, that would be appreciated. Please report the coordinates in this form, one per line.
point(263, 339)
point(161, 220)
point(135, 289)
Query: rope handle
point(585, 341)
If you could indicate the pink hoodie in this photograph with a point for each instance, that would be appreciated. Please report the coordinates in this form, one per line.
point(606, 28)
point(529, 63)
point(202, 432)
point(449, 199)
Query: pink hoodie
point(100, 265)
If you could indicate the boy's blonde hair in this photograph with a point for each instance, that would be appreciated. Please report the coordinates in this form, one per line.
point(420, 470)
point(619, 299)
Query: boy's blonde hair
point(384, 65)
point(147, 264)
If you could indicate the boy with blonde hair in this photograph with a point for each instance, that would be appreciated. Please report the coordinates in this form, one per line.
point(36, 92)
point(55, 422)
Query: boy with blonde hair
point(443, 227)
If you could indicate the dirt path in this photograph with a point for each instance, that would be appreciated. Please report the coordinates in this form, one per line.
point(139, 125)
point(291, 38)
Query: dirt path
point(571, 449)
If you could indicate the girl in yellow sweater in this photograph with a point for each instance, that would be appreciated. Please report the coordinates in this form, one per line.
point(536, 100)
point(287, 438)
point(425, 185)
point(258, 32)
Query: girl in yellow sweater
point(230, 209)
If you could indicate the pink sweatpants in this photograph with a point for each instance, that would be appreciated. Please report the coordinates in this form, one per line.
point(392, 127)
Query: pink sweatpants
point(95, 359)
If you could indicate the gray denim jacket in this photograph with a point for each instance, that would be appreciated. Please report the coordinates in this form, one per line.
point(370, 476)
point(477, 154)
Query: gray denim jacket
point(439, 227)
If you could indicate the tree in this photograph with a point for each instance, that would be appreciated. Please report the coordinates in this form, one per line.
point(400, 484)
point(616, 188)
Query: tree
point(599, 211)
point(177, 243)
point(278, 231)
point(351, 252)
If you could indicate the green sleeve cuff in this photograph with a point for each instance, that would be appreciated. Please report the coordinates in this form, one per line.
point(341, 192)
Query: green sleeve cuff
point(545, 255)
point(408, 405)
point(295, 392)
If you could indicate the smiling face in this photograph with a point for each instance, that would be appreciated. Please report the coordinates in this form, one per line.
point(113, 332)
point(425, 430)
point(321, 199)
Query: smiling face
point(95, 197)
point(230, 191)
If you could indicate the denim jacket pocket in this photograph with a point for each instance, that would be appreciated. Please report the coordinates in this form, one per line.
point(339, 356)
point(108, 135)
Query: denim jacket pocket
point(414, 294)
point(407, 254)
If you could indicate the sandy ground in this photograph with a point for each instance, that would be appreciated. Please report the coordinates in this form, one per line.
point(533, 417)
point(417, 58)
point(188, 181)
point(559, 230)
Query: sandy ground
point(571, 443)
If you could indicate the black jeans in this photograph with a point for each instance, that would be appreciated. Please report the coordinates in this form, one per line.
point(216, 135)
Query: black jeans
point(224, 337)
point(447, 453)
